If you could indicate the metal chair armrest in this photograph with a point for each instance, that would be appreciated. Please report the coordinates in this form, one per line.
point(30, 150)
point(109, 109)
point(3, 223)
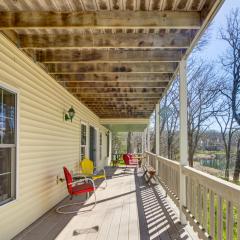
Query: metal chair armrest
point(82, 181)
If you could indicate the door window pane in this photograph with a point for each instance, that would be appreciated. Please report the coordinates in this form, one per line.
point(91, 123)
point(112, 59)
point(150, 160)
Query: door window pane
point(83, 134)
point(100, 143)
point(83, 152)
point(107, 145)
point(83, 141)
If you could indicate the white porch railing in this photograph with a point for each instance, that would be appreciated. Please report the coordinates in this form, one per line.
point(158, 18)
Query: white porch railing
point(212, 206)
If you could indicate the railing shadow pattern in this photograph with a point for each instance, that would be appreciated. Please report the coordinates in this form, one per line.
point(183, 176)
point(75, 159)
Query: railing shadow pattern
point(157, 220)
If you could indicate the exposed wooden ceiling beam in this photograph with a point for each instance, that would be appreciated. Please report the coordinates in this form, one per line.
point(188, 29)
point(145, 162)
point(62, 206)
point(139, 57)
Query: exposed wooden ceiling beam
point(102, 103)
point(117, 85)
point(113, 113)
point(122, 104)
point(118, 40)
point(97, 90)
point(117, 95)
point(122, 107)
point(100, 20)
point(111, 55)
point(74, 68)
point(102, 116)
point(119, 100)
point(121, 111)
point(132, 77)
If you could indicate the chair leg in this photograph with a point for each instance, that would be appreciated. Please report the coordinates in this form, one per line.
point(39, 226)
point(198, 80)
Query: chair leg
point(105, 179)
point(59, 209)
point(95, 199)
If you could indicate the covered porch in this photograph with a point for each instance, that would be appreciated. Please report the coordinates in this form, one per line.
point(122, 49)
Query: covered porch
point(112, 61)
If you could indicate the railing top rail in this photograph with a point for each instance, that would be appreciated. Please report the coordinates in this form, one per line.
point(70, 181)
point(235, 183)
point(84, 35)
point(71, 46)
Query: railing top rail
point(174, 163)
point(227, 190)
point(150, 153)
point(168, 162)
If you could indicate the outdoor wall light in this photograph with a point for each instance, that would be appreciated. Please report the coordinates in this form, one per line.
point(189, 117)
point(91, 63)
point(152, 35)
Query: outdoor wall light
point(107, 133)
point(70, 114)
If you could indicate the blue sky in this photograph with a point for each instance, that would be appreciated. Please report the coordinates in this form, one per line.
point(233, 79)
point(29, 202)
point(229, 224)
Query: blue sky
point(216, 46)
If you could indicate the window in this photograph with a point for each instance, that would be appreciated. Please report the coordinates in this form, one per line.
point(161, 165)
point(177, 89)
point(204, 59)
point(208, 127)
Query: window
point(100, 143)
point(83, 141)
point(8, 111)
point(108, 141)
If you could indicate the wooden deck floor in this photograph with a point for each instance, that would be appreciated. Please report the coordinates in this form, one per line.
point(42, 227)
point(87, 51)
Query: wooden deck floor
point(127, 210)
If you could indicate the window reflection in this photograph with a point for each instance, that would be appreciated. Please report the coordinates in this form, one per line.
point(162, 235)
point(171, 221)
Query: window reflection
point(5, 187)
point(5, 160)
point(7, 117)
point(7, 146)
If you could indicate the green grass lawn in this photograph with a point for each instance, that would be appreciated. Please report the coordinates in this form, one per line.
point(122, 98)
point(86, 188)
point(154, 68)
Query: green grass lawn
point(224, 214)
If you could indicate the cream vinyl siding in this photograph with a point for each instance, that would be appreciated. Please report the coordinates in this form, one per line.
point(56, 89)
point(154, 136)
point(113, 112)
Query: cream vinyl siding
point(46, 141)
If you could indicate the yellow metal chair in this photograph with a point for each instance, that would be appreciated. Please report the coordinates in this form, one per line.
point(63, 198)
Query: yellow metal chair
point(88, 170)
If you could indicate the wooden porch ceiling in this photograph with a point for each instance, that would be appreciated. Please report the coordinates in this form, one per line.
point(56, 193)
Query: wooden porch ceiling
point(117, 57)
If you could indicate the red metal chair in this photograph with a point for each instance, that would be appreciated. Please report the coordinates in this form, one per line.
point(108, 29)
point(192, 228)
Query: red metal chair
point(75, 188)
point(129, 160)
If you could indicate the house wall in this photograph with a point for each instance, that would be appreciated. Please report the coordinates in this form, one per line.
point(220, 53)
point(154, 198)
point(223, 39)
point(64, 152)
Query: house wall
point(46, 141)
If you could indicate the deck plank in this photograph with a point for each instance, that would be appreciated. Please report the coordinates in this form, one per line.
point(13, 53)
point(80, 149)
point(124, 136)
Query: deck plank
point(133, 229)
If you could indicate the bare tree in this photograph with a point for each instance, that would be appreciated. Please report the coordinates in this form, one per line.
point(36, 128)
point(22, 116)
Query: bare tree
point(201, 95)
point(224, 118)
point(169, 116)
point(202, 92)
point(129, 142)
point(231, 62)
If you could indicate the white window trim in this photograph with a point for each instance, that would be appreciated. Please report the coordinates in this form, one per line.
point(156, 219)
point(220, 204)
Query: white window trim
point(17, 92)
point(97, 143)
point(100, 146)
point(87, 138)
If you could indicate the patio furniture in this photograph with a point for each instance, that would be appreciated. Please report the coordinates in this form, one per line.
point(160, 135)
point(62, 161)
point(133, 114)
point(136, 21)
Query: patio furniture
point(88, 170)
point(77, 188)
point(129, 160)
point(116, 159)
point(151, 171)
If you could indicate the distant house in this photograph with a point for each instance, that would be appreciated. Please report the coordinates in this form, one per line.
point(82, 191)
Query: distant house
point(214, 147)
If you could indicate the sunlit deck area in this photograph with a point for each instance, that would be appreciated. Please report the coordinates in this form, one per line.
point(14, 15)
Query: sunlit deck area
point(73, 74)
point(127, 209)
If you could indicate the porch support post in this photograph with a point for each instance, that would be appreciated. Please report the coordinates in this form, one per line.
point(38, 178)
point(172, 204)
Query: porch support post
point(148, 139)
point(157, 133)
point(183, 137)
point(148, 143)
point(157, 122)
point(145, 141)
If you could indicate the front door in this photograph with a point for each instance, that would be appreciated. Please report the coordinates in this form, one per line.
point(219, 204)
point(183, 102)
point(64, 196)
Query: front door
point(93, 144)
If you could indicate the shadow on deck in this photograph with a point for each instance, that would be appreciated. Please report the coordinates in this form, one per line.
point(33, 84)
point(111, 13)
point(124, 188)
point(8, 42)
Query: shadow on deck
point(127, 209)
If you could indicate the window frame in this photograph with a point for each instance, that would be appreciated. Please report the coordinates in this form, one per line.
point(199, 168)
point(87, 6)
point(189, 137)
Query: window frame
point(87, 140)
point(108, 144)
point(17, 116)
point(100, 145)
